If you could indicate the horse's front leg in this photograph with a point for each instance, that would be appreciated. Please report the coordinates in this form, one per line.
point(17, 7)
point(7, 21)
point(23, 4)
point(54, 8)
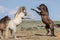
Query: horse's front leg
point(1, 33)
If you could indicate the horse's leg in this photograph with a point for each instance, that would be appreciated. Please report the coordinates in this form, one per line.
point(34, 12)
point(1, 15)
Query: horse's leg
point(52, 30)
point(47, 29)
point(6, 33)
point(13, 31)
point(2, 32)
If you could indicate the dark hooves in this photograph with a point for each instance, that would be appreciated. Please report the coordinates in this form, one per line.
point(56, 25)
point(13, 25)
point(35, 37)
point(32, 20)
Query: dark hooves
point(53, 35)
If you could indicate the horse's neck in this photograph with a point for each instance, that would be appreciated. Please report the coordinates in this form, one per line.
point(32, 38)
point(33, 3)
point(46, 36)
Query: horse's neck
point(18, 16)
point(18, 19)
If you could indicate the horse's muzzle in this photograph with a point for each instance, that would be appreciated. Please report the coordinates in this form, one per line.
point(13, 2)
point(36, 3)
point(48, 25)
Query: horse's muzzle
point(25, 13)
point(38, 8)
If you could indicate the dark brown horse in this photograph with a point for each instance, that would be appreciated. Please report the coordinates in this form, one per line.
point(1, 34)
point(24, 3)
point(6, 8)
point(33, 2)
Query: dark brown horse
point(3, 23)
point(45, 18)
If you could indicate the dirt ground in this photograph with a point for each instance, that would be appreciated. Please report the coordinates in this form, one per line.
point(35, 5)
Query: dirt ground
point(33, 35)
point(32, 31)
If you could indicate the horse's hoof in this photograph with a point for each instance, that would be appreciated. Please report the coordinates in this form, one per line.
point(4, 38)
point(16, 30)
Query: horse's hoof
point(53, 35)
point(46, 34)
point(11, 37)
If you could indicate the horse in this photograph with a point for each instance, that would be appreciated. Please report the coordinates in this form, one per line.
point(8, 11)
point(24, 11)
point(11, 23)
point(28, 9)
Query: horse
point(43, 12)
point(20, 14)
point(3, 23)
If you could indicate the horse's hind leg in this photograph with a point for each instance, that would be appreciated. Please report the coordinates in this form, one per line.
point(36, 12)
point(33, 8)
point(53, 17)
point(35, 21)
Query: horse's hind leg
point(47, 29)
point(52, 30)
point(13, 31)
point(10, 31)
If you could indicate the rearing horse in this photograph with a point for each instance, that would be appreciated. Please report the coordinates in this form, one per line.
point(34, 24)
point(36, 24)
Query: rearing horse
point(45, 18)
point(20, 14)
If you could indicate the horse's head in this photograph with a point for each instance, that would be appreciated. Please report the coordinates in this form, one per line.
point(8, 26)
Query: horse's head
point(23, 9)
point(6, 18)
point(22, 12)
point(43, 7)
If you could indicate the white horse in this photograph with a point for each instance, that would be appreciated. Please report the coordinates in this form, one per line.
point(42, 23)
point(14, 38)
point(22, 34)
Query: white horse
point(21, 13)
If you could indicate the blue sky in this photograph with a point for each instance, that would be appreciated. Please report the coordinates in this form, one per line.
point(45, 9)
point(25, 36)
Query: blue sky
point(9, 7)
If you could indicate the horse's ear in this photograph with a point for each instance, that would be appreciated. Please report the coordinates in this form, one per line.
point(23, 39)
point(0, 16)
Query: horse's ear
point(6, 15)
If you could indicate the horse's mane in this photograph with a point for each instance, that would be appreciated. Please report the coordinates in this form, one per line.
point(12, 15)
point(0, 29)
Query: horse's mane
point(19, 10)
point(45, 8)
point(4, 19)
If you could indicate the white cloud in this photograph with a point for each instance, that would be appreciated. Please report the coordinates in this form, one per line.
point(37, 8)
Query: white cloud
point(8, 11)
point(13, 11)
point(2, 9)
